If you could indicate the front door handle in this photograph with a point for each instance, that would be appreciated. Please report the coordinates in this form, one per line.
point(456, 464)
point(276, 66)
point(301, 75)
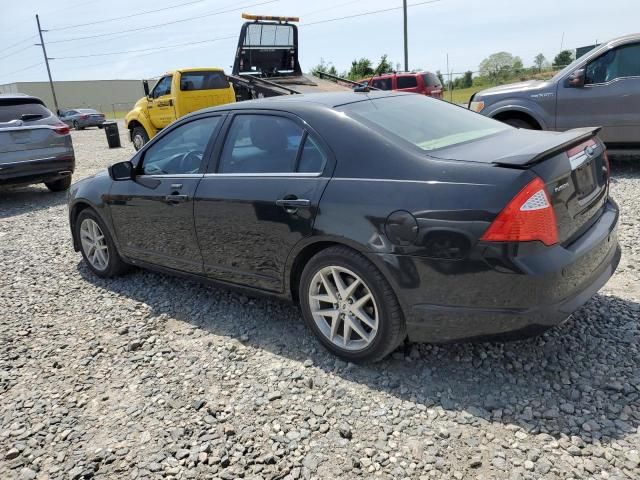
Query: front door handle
point(293, 203)
point(176, 198)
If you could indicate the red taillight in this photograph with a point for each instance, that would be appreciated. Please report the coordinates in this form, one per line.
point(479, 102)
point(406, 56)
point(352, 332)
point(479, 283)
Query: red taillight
point(84, 117)
point(61, 129)
point(529, 216)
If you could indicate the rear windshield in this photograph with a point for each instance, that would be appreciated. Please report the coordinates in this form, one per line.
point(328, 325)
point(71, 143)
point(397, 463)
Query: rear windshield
point(425, 122)
point(15, 110)
point(202, 81)
point(268, 35)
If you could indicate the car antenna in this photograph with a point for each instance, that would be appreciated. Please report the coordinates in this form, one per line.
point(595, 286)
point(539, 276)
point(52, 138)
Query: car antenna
point(365, 88)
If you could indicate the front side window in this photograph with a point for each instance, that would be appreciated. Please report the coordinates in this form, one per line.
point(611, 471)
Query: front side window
point(261, 144)
point(203, 81)
point(181, 150)
point(407, 82)
point(163, 87)
point(617, 63)
point(426, 123)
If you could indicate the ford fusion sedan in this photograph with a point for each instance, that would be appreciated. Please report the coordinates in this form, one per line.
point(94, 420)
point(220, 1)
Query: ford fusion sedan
point(383, 215)
point(82, 118)
point(35, 147)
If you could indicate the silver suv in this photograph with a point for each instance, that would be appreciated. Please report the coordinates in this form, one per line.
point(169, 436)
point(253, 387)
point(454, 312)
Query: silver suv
point(35, 146)
point(601, 88)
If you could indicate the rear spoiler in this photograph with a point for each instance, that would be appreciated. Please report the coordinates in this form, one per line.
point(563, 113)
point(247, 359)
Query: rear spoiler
point(554, 144)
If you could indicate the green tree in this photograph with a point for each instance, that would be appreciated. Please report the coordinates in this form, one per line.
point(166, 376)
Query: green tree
point(324, 67)
point(467, 79)
point(539, 60)
point(500, 65)
point(564, 58)
point(359, 69)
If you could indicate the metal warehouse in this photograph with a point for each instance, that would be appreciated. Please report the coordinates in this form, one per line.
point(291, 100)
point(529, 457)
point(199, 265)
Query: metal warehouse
point(109, 96)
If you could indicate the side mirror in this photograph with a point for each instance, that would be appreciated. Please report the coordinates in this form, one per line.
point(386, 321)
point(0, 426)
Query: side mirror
point(576, 79)
point(145, 86)
point(121, 171)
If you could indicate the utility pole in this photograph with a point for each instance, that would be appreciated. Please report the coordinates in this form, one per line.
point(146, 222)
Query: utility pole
point(406, 46)
point(46, 61)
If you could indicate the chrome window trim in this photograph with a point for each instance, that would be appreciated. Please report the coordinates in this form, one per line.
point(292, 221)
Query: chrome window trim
point(267, 175)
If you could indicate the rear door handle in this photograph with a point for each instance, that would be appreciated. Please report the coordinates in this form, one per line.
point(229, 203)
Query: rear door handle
point(176, 198)
point(293, 203)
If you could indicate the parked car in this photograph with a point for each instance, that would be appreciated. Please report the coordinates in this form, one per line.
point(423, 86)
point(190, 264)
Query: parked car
point(425, 83)
point(81, 118)
point(599, 88)
point(35, 146)
point(176, 94)
point(384, 215)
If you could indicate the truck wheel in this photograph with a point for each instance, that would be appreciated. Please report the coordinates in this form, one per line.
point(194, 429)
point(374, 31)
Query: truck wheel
point(519, 123)
point(139, 137)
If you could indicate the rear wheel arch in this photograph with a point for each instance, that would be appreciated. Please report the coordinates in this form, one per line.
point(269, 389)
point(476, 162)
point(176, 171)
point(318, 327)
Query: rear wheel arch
point(518, 115)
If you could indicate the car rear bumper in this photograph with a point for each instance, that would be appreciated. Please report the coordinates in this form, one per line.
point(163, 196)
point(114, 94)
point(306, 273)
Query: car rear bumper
point(36, 171)
point(90, 123)
point(520, 294)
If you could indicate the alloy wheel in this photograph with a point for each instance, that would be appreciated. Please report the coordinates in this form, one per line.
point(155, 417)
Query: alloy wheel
point(343, 308)
point(94, 244)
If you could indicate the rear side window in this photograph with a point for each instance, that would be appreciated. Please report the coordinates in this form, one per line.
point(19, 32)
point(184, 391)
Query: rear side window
point(431, 80)
point(408, 81)
point(382, 83)
point(312, 158)
point(203, 81)
point(261, 144)
point(15, 111)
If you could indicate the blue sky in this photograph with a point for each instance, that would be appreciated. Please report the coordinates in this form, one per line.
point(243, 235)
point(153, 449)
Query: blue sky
point(467, 30)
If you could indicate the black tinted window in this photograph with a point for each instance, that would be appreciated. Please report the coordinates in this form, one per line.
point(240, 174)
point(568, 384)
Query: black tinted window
point(382, 83)
point(431, 80)
point(407, 82)
point(202, 81)
point(181, 150)
point(261, 144)
point(15, 111)
point(312, 159)
point(163, 87)
point(618, 63)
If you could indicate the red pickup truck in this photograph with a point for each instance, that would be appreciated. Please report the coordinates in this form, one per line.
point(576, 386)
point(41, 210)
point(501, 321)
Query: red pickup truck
point(426, 83)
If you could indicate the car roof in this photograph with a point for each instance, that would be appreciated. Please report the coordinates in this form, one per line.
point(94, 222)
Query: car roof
point(13, 97)
point(294, 103)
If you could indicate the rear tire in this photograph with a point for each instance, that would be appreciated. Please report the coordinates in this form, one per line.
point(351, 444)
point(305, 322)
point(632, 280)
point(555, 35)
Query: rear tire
point(519, 123)
point(76, 126)
point(93, 235)
point(330, 311)
point(139, 137)
point(59, 185)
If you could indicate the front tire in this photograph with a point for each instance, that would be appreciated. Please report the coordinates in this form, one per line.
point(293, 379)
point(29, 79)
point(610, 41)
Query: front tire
point(139, 137)
point(59, 185)
point(97, 246)
point(349, 305)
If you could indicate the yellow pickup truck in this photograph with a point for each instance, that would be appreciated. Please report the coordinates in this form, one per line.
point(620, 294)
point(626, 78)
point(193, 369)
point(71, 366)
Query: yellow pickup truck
point(176, 94)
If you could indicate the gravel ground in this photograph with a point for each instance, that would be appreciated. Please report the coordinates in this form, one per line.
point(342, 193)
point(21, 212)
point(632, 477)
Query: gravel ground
point(146, 376)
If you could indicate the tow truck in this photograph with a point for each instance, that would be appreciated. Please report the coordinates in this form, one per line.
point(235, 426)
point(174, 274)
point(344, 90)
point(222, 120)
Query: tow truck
point(265, 65)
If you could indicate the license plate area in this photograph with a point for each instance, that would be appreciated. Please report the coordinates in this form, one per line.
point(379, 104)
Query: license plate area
point(584, 180)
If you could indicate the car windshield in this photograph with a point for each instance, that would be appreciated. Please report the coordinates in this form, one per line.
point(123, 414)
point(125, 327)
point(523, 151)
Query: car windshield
point(426, 123)
point(15, 111)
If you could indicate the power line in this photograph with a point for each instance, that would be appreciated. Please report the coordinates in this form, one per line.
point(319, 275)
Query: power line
point(373, 12)
point(168, 47)
point(23, 69)
point(19, 43)
point(16, 52)
point(125, 16)
point(149, 27)
point(313, 12)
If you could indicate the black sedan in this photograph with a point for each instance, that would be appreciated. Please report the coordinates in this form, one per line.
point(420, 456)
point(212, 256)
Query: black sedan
point(384, 215)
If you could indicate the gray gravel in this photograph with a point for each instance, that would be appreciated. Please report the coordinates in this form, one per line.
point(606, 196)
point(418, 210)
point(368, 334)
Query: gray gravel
point(147, 376)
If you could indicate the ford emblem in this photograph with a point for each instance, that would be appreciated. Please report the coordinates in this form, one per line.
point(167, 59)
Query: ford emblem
point(589, 150)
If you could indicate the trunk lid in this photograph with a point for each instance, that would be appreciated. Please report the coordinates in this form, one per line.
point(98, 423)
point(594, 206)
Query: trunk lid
point(572, 164)
point(19, 143)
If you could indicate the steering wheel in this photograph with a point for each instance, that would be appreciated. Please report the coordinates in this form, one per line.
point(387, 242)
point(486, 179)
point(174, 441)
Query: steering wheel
point(190, 163)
